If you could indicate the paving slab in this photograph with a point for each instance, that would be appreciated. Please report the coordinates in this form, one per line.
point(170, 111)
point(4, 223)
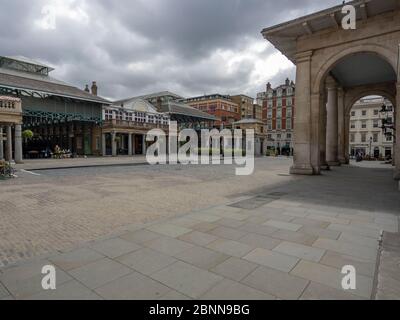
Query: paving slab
point(372, 233)
point(115, 247)
point(227, 233)
point(338, 260)
point(310, 222)
point(168, 246)
point(146, 260)
point(300, 251)
point(320, 232)
point(71, 290)
point(230, 247)
point(332, 277)
point(76, 258)
point(234, 268)
point(358, 239)
point(282, 225)
point(3, 292)
point(140, 236)
point(231, 223)
point(202, 257)
point(232, 290)
point(260, 241)
point(187, 279)
point(277, 283)
point(272, 259)
point(198, 238)
point(257, 228)
point(168, 229)
point(329, 219)
point(347, 248)
point(134, 286)
point(316, 291)
point(292, 236)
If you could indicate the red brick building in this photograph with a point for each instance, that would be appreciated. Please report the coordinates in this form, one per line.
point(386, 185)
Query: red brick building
point(278, 116)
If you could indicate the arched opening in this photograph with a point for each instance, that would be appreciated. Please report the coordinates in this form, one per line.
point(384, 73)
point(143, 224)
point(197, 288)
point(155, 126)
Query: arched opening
point(371, 134)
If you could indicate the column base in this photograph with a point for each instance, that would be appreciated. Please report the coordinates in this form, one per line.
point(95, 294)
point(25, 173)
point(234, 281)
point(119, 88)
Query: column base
point(19, 162)
point(343, 161)
point(396, 175)
point(325, 167)
point(306, 170)
point(333, 163)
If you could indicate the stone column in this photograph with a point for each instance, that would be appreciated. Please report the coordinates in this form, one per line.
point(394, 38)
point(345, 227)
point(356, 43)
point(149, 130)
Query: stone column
point(341, 127)
point(144, 148)
point(18, 143)
point(332, 123)
point(103, 145)
point(322, 132)
point(133, 145)
point(113, 144)
point(9, 146)
point(302, 120)
point(1, 144)
point(129, 144)
point(347, 138)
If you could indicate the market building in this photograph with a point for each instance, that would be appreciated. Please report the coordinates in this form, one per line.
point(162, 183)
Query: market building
point(259, 133)
point(57, 113)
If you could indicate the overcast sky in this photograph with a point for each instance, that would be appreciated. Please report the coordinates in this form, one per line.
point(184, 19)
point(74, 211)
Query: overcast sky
point(133, 47)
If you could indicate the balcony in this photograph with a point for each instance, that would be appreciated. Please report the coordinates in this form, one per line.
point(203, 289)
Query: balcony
point(10, 110)
point(125, 124)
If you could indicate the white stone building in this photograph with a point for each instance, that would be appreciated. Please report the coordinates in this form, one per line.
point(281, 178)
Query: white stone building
point(366, 134)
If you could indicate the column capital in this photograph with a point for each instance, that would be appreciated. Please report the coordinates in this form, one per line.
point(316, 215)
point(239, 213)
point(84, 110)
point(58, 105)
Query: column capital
point(331, 83)
point(303, 56)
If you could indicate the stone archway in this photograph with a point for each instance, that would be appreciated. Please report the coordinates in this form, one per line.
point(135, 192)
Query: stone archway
point(334, 67)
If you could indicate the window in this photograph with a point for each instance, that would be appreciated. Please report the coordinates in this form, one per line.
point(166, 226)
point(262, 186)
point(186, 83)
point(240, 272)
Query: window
point(288, 112)
point(119, 115)
point(375, 138)
point(352, 137)
point(363, 137)
point(278, 136)
point(270, 104)
point(376, 112)
point(279, 113)
point(269, 113)
point(364, 113)
point(353, 113)
point(279, 103)
point(389, 138)
point(289, 102)
point(352, 125)
point(288, 124)
point(376, 124)
point(279, 124)
point(108, 115)
point(364, 125)
point(289, 136)
point(269, 124)
point(129, 116)
point(289, 91)
point(279, 92)
point(270, 94)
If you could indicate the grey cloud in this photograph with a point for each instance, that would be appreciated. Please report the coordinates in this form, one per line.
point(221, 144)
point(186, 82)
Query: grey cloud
point(174, 40)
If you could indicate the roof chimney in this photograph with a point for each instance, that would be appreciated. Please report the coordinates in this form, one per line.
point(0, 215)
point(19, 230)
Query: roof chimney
point(87, 88)
point(287, 82)
point(268, 86)
point(94, 88)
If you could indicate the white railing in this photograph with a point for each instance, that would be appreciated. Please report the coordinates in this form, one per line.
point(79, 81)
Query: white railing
point(10, 104)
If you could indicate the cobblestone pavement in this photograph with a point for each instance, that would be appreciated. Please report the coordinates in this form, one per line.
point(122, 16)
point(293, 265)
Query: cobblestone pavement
point(284, 238)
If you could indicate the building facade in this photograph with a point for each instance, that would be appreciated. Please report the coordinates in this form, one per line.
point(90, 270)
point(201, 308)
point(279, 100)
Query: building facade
point(246, 105)
point(57, 113)
point(221, 106)
point(278, 107)
point(366, 134)
point(259, 133)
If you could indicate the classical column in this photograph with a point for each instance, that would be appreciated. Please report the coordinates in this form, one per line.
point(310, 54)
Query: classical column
point(129, 144)
point(332, 123)
point(347, 138)
point(144, 148)
point(103, 145)
point(302, 120)
point(18, 143)
point(9, 144)
point(133, 144)
point(322, 132)
point(113, 144)
point(341, 127)
point(1, 144)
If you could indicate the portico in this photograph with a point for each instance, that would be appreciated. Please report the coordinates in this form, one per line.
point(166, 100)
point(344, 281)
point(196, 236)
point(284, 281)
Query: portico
point(10, 129)
point(335, 68)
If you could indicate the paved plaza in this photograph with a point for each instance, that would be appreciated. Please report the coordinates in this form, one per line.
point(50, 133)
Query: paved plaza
point(195, 232)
